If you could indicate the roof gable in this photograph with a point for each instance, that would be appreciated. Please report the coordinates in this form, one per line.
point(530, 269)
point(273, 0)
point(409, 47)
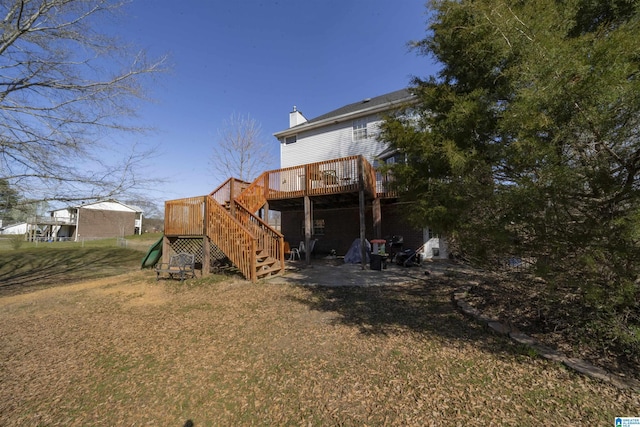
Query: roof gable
point(109, 205)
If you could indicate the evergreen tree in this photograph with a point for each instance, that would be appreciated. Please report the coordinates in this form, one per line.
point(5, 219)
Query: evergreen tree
point(527, 142)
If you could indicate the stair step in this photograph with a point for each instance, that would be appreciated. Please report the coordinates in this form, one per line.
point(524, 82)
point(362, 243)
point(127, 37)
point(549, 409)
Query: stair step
point(261, 255)
point(268, 271)
point(267, 261)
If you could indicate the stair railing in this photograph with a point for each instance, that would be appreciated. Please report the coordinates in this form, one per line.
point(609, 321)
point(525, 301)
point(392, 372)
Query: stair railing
point(235, 240)
point(255, 195)
point(268, 239)
point(229, 190)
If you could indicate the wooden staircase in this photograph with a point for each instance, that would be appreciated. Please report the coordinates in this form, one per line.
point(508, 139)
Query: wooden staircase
point(239, 201)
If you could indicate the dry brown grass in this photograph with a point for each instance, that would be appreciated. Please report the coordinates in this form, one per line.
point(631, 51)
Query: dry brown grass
point(129, 351)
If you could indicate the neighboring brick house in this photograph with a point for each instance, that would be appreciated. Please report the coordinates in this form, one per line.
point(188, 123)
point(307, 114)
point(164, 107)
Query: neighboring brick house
point(350, 130)
point(97, 220)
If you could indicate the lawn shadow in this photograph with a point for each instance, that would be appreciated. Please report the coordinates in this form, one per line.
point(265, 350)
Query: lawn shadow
point(27, 270)
point(421, 305)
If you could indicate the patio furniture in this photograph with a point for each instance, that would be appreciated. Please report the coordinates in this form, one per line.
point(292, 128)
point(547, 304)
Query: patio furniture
point(312, 244)
point(292, 252)
point(182, 264)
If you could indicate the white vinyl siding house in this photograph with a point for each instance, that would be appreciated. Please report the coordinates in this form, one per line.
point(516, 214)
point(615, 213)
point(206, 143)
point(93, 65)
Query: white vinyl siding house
point(20, 228)
point(351, 130)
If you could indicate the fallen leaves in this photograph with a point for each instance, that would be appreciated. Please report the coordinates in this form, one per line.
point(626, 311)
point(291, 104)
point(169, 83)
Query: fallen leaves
point(236, 353)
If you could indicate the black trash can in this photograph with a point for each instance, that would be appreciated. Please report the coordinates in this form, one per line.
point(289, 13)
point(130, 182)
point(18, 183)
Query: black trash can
point(376, 262)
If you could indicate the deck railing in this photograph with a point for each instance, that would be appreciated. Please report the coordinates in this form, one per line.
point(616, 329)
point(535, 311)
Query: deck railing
point(369, 176)
point(223, 194)
point(53, 220)
point(315, 179)
point(383, 185)
point(327, 177)
point(254, 196)
point(185, 217)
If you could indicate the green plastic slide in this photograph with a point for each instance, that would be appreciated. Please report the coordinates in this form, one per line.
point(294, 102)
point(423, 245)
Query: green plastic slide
point(154, 254)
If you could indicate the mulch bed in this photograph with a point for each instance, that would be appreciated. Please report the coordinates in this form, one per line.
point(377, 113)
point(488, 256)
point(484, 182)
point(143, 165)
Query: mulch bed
point(519, 301)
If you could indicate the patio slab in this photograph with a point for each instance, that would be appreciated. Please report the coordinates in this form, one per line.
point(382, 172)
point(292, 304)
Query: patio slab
point(334, 273)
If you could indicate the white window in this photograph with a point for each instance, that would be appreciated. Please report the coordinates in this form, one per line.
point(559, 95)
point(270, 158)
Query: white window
point(360, 130)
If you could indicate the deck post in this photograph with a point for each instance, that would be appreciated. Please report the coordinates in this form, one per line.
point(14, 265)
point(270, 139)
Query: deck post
point(232, 198)
point(361, 208)
point(165, 248)
point(206, 247)
point(206, 256)
point(308, 220)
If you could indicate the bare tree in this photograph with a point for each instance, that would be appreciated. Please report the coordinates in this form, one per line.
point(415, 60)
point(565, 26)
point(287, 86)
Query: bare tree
point(65, 89)
point(240, 151)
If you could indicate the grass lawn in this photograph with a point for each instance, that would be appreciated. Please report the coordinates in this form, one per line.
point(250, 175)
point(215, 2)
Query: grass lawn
point(37, 265)
point(127, 350)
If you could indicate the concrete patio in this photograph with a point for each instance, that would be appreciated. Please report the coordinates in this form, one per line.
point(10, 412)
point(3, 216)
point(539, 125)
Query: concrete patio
point(334, 272)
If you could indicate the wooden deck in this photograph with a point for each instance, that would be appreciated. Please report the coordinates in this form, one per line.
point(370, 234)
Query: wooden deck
point(227, 216)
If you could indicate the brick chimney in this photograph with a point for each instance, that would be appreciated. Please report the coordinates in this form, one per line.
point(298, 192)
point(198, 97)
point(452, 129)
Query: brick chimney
point(296, 118)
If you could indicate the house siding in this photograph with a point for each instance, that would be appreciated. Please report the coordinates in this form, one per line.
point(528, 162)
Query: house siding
point(99, 224)
point(107, 206)
point(21, 228)
point(62, 215)
point(332, 142)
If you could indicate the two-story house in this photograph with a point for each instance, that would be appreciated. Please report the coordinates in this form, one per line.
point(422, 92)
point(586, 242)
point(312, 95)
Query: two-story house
point(327, 191)
point(349, 131)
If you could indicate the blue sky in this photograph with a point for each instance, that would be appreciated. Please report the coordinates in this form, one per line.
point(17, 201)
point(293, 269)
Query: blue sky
point(260, 58)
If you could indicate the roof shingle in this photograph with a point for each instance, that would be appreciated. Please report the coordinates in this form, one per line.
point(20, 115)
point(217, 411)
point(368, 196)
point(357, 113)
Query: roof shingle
point(364, 104)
